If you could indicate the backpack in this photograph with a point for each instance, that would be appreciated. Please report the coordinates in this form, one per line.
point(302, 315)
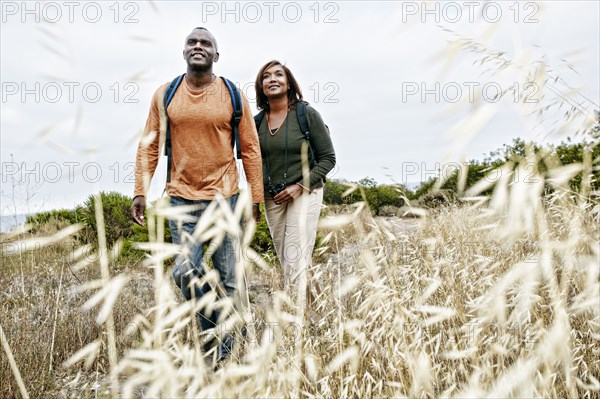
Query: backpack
point(304, 128)
point(236, 117)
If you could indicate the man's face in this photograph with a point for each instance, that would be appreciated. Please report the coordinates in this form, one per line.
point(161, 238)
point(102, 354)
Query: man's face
point(200, 51)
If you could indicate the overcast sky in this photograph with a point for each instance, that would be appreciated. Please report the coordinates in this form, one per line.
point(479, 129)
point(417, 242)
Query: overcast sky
point(77, 78)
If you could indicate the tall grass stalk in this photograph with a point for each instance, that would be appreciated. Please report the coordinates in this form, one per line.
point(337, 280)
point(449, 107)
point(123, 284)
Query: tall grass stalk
point(13, 365)
point(105, 273)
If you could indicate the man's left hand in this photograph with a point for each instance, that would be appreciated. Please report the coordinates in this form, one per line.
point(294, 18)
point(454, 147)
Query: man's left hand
point(256, 212)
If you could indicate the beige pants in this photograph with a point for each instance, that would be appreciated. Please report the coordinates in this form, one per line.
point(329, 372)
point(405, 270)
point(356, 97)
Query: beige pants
point(293, 227)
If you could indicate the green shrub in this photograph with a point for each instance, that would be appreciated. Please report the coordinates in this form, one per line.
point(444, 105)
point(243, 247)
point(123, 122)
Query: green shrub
point(388, 196)
point(262, 242)
point(117, 219)
point(58, 217)
point(439, 198)
point(118, 223)
point(332, 192)
point(548, 157)
point(377, 196)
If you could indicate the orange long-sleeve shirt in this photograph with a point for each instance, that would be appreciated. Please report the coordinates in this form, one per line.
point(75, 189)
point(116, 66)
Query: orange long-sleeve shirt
point(203, 161)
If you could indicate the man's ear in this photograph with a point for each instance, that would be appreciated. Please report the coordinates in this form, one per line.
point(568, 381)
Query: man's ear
point(216, 57)
point(183, 53)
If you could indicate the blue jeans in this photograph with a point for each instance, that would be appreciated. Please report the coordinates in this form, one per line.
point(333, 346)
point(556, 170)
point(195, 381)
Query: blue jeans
point(189, 265)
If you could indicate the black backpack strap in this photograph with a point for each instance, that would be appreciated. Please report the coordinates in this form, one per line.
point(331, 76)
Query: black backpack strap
point(169, 93)
point(303, 119)
point(258, 119)
point(236, 117)
point(305, 128)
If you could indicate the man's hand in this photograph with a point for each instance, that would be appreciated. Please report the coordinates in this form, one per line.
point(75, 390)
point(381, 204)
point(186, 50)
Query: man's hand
point(137, 209)
point(256, 212)
point(288, 194)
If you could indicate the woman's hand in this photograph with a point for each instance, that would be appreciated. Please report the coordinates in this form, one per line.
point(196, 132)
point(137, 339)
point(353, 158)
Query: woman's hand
point(288, 194)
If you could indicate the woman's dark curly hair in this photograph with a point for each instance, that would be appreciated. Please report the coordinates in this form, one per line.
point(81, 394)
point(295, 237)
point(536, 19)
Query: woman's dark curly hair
point(294, 93)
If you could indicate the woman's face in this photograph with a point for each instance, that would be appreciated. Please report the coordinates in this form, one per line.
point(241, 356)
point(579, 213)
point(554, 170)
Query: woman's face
point(274, 82)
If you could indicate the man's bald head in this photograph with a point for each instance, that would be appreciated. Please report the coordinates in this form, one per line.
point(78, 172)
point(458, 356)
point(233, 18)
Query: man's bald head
point(211, 35)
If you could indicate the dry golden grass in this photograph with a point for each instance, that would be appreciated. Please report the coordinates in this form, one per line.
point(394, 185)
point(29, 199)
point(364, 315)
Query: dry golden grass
point(42, 317)
point(448, 309)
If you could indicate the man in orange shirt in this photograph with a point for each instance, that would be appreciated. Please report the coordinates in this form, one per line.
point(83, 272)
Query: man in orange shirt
point(203, 166)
